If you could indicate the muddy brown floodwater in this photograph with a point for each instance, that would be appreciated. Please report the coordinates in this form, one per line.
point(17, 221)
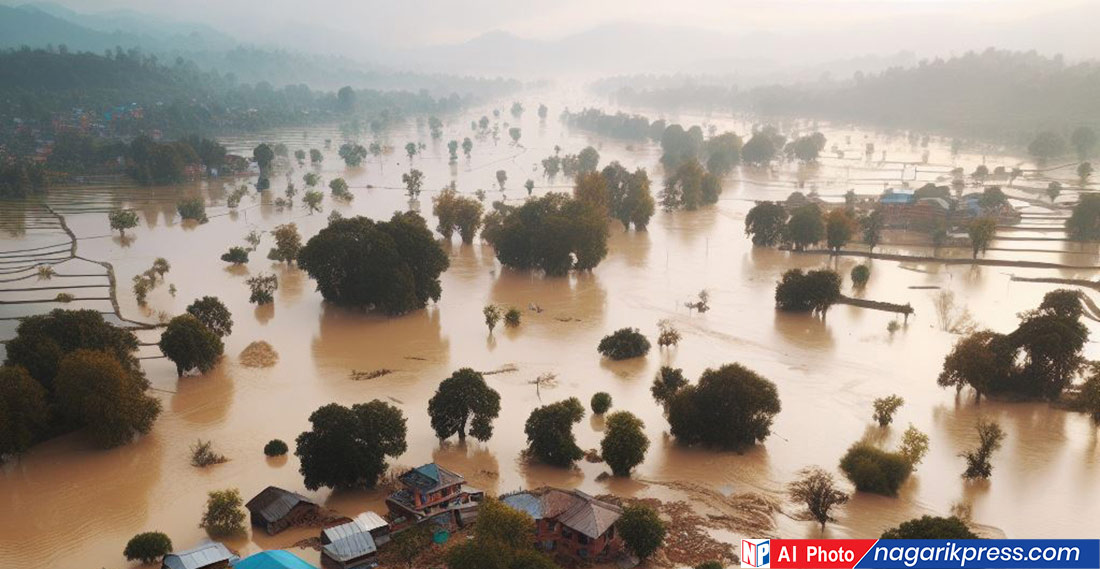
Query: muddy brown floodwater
point(68, 505)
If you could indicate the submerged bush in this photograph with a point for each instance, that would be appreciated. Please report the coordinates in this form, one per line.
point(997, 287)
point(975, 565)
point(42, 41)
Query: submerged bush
point(275, 447)
point(872, 469)
point(623, 344)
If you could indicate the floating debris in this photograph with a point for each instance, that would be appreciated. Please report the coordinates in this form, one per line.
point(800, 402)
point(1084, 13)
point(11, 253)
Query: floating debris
point(506, 368)
point(357, 375)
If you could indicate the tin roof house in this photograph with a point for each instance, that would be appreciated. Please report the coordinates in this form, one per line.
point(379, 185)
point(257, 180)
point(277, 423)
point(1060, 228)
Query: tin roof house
point(354, 544)
point(570, 523)
point(210, 555)
point(275, 509)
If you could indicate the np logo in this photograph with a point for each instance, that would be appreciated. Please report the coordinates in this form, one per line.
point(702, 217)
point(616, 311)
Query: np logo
point(755, 553)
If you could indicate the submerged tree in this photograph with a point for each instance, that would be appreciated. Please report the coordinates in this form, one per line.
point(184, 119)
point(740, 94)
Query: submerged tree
point(553, 233)
point(931, 527)
point(642, 530)
point(288, 242)
point(666, 384)
point(262, 287)
point(885, 407)
point(189, 344)
point(731, 407)
point(94, 390)
point(766, 222)
point(347, 447)
point(624, 443)
point(224, 515)
point(990, 437)
point(457, 213)
point(624, 343)
point(549, 431)
point(123, 219)
point(817, 490)
point(464, 398)
point(813, 292)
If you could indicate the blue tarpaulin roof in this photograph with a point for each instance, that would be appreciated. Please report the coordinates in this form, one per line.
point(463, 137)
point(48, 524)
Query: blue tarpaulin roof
point(275, 559)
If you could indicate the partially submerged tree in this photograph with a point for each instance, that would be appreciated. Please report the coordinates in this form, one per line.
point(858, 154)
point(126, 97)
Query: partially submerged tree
point(189, 344)
point(885, 407)
point(624, 343)
point(990, 438)
point(766, 222)
point(624, 443)
point(464, 399)
point(347, 447)
point(553, 233)
point(262, 288)
point(931, 527)
point(147, 547)
point(666, 384)
point(815, 291)
point(236, 255)
point(213, 314)
point(817, 490)
point(391, 266)
point(288, 242)
point(93, 389)
point(667, 334)
point(981, 232)
point(24, 407)
point(224, 515)
point(874, 470)
point(600, 403)
point(457, 213)
point(805, 227)
point(549, 431)
point(860, 275)
point(123, 219)
point(730, 407)
point(492, 316)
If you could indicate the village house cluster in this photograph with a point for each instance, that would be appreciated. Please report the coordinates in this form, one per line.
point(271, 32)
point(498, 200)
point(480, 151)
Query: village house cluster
point(569, 525)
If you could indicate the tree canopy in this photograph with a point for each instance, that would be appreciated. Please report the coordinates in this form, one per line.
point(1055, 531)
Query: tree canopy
point(624, 343)
point(347, 447)
point(931, 527)
point(94, 390)
point(814, 291)
point(766, 223)
point(624, 442)
point(390, 266)
point(730, 407)
point(553, 233)
point(549, 431)
point(190, 344)
point(464, 398)
point(213, 314)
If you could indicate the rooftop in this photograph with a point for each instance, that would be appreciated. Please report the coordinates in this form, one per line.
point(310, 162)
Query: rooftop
point(196, 557)
point(273, 503)
point(351, 540)
point(573, 508)
point(430, 477)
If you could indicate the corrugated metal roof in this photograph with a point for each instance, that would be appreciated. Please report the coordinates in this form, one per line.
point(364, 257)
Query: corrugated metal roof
point(348, 541)
point(273, 503)
point(573, 508)
point(275, 559)
point(431, 477)
point(195, 558)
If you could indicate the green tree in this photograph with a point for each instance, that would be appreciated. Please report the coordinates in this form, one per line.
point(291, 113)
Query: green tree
point(624, 343)
point(412, 542)
point(193, 209)
point(410, 149)
point(435, 126)
point(515, 133)
point(549, 431)
point(147, 547)
point(975, 361)
point(457, 213)
point(666, 384)
point(235, 255)
point(353, 154)
point(391, 266)
point(731, 407)
point(347, 447)
point(504, 538)
point(224, 515)
point(315, 156)
point(213, 314)
point(339, 188)
point(264, 156)
point(190, 344)
point(629, 196)
point(914, 445)
point(312, 200)
point(885, 407)
point(624, 443)
point(806, 148)
point(874, 470)
point(1084, 222)
point(766, 222)
point(413, 180)
point(288, 242)
point(553, 233)
point(94, 390)
point(873, 226)
point(588, 160)
point(814, 291)
point(502, 177)
point(467, 146)
point(464, 398)
point(122, 219)
point(839, 229)
point(817, 490)
point(512, 317)
point(981, 232)
point(990, 438)
point(275, 447)
point(860, 275)
point(600, 403)
point(806, 226)
point(262, 288)
point(24, 413)
point(931, 527)
point(642, 530)
point(761, 149)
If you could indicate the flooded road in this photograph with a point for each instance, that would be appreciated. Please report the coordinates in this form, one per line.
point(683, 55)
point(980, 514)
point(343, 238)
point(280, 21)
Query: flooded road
point(68, 505)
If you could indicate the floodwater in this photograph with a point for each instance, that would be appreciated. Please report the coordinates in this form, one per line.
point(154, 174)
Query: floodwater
point(68, 505)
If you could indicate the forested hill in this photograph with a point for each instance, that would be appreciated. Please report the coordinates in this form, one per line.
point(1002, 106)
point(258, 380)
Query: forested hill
point(1002, 94)
point(126, 93)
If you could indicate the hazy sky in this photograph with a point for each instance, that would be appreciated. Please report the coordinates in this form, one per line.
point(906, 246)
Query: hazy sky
point(414, 23)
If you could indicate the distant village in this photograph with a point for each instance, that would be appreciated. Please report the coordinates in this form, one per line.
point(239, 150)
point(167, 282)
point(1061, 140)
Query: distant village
point(571, 526)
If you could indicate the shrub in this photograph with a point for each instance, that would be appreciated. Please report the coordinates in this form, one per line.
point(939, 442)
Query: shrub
point(875, 470)
point(512, 317)
point(931, 527)
point(236, 255)
point(192, 208)
point(203, 455)
point(814, 291)
point(624, 343)
point(223, 515)
point(147, 547)
point(601, 402)
point(275, 447)
point(885, 407)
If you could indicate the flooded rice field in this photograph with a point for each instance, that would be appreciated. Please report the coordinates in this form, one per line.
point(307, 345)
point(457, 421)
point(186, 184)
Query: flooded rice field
point(68, 505)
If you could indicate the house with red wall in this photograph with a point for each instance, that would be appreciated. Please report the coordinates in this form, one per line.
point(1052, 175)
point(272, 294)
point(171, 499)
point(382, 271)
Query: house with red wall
point(570, 524)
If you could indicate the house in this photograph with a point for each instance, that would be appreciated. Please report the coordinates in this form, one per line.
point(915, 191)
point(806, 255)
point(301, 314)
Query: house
point(274, 559)
point(354, 544)
point(433, 493)
point(210, 555)
point(276, 509)
point(571, 524)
